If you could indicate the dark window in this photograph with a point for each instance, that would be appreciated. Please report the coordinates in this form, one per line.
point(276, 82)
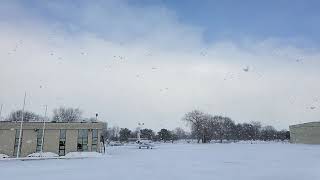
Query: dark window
point(16, 142)
point(94, 143)
point(39, 140)
point(82, 144)
point(62, 142)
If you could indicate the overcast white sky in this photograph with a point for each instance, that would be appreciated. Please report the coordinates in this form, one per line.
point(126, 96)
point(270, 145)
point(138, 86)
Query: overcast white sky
point(139, 63)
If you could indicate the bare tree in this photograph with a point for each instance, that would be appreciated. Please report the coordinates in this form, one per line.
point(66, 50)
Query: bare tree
point(147, 133)
point(124, 134)
point(63, 114)
point(200, 125)
point(113, 133)
point(256, 128)
point(180, 133)
point(228, 127)
point(28, 116)
point(206, 127)
point(195, 119)
point(222, 128)
point(164, 135)
point(216, 127)
point(268, 133)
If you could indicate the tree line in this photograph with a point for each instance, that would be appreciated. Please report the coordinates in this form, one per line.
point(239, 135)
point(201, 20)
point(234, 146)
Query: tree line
point(165, 135)
point(61, 114)
point(206, 127)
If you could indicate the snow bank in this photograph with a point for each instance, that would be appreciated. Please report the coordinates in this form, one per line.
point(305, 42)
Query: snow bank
point(82, 154)
point(43, 154)
point(50, 155)
point(3, 156)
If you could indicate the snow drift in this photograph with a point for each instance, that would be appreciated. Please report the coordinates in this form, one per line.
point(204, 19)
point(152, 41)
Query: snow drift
point(82, 154)
point(43, 154)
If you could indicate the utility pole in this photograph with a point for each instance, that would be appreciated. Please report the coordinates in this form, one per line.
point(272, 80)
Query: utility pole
point(21, 123)
point(43, 128)
point(1, 111)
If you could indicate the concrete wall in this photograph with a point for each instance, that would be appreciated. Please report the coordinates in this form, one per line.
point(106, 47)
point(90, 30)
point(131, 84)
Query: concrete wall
point(51, 141)
point(99, 139)
point(51, 136)
point(307, 133)
point(71, 140)
point(89, 140)
point(7, 138)
point(29, 142)
point(37, 125)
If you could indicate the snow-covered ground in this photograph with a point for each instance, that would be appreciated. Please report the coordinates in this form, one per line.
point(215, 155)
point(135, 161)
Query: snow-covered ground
point(179, 161)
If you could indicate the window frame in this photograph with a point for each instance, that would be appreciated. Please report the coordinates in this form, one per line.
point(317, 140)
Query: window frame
point(82, 140)
point(62, 138)
point(94, 142)
point(39, 140)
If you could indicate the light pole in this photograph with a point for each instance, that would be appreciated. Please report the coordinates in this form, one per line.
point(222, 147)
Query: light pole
point(21, 123)
point(43, 128)
point(139, 131)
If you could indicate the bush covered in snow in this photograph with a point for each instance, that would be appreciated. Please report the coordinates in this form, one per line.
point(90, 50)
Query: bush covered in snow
point(43, 154)
point(3, 156)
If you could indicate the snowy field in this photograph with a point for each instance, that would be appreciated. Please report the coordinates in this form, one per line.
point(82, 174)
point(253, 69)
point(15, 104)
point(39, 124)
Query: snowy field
point(179, 161)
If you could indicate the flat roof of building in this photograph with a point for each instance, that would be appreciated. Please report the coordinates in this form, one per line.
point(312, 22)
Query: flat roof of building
point(308, 124)
point(53, 125)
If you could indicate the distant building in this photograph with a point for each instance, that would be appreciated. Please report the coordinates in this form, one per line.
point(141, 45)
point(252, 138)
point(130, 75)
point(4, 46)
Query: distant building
point(306, 133)
point(59, 138)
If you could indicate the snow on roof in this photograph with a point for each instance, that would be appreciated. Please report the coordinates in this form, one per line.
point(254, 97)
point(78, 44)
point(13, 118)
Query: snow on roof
point(307, 124)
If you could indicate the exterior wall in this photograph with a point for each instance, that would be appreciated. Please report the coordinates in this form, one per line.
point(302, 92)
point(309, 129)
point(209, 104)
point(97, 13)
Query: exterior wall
point(29, 142)
point(51, 141)
point(308, 133)
point(51, 136)
point(37, 125)
point(99, 139)
point(7, 138)
point(71, 140)
point(89, 141)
